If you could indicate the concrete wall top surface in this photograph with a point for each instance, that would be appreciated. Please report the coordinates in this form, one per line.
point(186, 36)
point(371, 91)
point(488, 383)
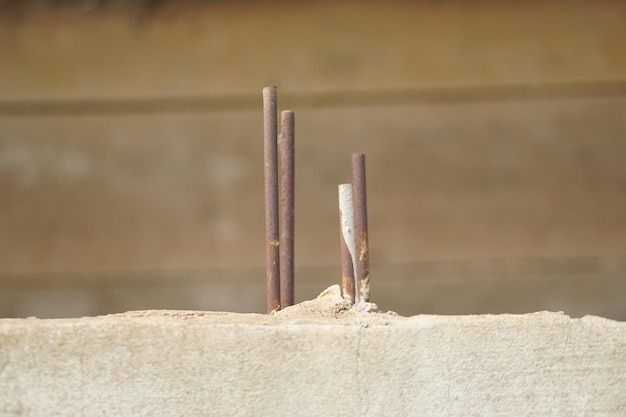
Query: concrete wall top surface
point(317, 358)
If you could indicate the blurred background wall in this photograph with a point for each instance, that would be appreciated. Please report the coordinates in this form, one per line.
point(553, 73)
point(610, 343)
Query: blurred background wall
point(131, 152)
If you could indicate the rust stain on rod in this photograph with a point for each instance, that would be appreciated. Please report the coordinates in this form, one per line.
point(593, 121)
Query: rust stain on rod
point(346, 232)
point(272, 263)
point(287, 181)
point(360, 226)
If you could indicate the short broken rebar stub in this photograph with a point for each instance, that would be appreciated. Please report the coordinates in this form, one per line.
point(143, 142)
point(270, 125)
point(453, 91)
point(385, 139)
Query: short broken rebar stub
point(348, 248)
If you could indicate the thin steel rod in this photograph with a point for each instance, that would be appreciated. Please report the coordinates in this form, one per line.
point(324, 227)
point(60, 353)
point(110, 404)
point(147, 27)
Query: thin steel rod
point(360, 226)
point(346, 232)
point(287, 184)
point(272, 263)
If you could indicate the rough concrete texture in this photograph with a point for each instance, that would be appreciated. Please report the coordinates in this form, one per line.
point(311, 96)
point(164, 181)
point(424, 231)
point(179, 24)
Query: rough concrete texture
point(316, 358)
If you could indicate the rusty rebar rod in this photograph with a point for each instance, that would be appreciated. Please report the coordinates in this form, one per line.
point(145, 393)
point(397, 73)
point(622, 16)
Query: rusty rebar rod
point(287, 189)
point(360, 226)
point(272, 262)
point(346, 232)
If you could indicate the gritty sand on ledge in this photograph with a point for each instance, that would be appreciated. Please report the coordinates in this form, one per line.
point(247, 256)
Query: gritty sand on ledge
point(328, 308)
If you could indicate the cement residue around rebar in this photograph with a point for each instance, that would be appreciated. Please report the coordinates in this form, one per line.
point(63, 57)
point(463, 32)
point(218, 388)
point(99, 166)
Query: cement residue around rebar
point(330, 305)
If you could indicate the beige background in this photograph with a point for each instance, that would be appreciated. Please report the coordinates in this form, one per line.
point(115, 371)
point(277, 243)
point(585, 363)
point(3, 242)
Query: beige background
point(130, 151)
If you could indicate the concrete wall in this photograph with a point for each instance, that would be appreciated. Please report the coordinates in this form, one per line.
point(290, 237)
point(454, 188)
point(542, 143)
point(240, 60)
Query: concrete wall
point(315, 359)
point(130, 136)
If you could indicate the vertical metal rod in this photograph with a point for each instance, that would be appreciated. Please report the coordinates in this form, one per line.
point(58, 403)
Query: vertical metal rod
point(346, 229)
point(287, 188)
point(271, 199)
point(360, 226)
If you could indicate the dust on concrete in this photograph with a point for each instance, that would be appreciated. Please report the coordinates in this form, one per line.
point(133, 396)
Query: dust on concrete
point(330, 304)
point(328, 308)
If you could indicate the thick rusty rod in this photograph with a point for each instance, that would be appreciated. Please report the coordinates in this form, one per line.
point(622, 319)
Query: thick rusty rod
point(287, 189)
point(346, 232)
point(272, 263)
point(360, 226)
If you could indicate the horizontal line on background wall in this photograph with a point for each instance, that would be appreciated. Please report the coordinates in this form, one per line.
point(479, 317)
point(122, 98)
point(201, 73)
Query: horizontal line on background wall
point(393, 272)
point(434, 95)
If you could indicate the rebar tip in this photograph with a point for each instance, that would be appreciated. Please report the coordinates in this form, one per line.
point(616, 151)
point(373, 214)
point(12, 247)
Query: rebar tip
point(270, 90)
